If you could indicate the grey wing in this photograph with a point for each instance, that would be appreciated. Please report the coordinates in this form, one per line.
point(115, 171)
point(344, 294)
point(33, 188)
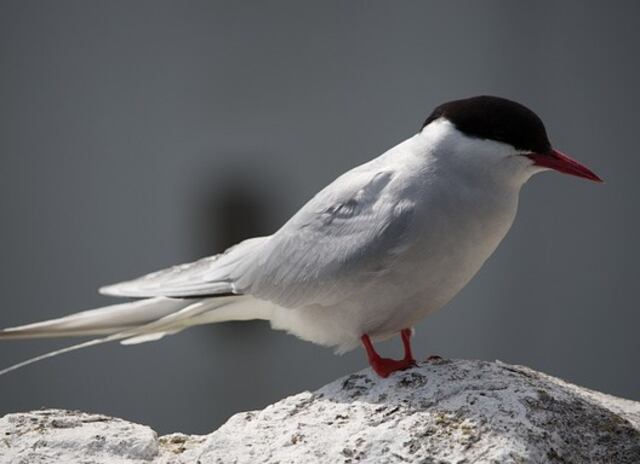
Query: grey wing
point(345, 237)
point(214, 275)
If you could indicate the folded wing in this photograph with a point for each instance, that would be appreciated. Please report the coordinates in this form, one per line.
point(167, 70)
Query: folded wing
point(345, 237)
point(211, 276)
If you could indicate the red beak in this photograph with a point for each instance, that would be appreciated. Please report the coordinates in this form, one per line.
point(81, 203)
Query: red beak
point(562, 163)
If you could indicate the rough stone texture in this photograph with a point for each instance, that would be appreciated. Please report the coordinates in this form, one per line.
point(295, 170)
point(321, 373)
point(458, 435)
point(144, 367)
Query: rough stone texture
point(444, 411)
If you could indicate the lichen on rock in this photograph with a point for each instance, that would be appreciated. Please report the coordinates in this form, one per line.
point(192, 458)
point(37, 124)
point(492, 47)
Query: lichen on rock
point(439, 412)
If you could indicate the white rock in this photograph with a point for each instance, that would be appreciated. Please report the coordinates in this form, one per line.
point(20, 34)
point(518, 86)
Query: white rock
point(444, 411)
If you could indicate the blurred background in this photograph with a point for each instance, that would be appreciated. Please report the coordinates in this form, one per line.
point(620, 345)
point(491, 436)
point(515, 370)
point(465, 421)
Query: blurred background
point(137, 135)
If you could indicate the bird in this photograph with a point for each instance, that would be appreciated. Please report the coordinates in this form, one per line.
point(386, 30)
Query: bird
point(377, 250)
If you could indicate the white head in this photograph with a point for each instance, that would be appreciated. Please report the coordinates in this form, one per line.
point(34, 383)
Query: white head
point(496, 138)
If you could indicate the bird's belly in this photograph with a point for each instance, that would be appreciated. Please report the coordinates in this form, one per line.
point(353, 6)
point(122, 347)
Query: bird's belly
point(424, 277)
point(438, 266)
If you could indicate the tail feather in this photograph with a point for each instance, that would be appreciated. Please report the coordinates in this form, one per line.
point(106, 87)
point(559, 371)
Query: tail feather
point(152, 337)
point(101, 321)
point(138, 322)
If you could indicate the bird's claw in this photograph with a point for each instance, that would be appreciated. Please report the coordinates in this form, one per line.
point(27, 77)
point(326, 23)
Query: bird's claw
point(384, 367)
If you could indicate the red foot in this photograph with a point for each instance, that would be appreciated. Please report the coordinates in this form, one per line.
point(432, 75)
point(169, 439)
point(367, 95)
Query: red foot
point(385, 366)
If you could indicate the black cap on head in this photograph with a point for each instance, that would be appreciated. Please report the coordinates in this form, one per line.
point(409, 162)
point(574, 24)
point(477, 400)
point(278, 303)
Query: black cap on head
point(496, 118)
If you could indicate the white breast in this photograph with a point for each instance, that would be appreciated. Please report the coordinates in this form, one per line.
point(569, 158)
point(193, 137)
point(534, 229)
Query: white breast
point(460, 218)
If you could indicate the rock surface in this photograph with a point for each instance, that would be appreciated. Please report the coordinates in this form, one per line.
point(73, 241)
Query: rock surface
point(444, 411)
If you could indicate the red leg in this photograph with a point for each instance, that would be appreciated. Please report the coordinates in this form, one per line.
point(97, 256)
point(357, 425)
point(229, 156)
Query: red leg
point(385, 366)
point(406, 342)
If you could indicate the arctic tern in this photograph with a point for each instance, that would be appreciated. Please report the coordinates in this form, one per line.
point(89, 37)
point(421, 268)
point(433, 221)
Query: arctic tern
point(377, 250)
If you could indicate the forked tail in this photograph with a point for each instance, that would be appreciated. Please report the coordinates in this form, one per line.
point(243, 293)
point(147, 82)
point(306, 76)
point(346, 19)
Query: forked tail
point(137, 322)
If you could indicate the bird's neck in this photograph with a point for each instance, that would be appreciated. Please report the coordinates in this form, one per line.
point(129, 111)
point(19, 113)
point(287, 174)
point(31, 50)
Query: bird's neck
point(451, 155)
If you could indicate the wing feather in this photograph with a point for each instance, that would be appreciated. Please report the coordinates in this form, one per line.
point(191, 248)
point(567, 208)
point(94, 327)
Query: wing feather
point(343, 238)
point(211, 276)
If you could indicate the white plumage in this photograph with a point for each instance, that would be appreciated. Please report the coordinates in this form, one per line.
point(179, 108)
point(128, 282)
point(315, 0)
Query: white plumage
point(374, 252)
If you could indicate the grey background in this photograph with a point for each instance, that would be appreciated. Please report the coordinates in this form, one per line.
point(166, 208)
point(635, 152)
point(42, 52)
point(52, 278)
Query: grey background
point(136, 135)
